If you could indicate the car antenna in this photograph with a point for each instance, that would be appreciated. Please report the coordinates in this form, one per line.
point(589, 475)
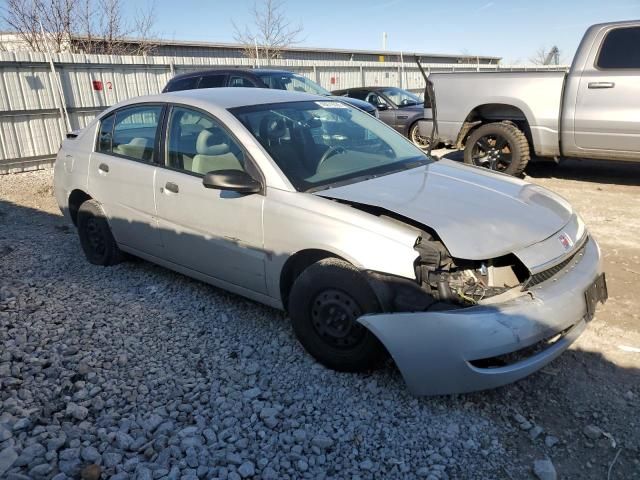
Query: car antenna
point(430, 95)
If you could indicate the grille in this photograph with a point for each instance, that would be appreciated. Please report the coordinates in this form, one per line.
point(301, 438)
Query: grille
point(545, 275)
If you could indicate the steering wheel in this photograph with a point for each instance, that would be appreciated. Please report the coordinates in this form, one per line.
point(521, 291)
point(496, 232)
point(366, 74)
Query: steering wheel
point(404, 102)
point(331, 151)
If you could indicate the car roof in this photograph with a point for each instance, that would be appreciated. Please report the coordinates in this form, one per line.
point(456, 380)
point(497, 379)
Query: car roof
point(210, 71)
point(373, 89)
point(226, 97)
point(250, 71)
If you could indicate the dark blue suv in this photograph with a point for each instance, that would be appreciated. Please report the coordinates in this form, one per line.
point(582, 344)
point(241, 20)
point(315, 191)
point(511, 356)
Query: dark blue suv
point(257, 78)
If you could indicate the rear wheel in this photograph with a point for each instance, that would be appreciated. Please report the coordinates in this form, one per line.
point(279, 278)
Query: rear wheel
point(418, 140)
point(96, 239)
point(325, 303)
point(498, 146)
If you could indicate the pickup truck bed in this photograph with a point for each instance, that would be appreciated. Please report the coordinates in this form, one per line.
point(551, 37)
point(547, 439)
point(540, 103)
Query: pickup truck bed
point(503, 118)
point(513, 96)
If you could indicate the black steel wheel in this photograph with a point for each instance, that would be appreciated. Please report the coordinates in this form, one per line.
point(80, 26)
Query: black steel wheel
point(334, 315)
point(325, 303)
point(96, 239)
point(498, 146)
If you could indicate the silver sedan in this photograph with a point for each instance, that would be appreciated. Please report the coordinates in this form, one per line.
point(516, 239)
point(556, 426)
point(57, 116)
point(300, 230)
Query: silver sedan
point(468, 279)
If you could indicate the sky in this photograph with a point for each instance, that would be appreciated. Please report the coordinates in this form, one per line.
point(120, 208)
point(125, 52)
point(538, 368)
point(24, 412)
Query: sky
point(511, 29)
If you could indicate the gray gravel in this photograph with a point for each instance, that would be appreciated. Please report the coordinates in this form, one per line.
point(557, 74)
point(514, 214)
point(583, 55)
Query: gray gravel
point(135, 372)
point(149, 374)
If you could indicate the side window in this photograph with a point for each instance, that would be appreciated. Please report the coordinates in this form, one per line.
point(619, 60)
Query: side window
point(235, 81)
point(134, 132)
point(620, 49)
point(375, 99)
point(106, 134)
point(212, 81)
point(196, 143)
point(359, 94)
point(188, 83)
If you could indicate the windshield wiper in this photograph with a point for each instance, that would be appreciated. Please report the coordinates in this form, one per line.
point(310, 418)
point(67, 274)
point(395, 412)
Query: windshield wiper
point(407, 165)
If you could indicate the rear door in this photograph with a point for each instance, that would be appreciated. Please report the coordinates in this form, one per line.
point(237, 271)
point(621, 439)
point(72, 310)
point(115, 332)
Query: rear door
point(122, 171)
point(607, 112)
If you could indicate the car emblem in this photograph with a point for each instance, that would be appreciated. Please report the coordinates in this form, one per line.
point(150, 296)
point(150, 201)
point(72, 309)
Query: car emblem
point(566, 241)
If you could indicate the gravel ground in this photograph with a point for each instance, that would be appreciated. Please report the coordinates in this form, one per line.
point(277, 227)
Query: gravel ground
point(137, 372)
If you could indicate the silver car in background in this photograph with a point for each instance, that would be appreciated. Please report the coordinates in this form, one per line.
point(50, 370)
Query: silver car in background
point(467, 278)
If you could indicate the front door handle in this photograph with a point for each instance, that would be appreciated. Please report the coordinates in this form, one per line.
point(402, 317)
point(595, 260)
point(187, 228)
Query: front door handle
point(601, 84)
point(103, 167)
point(171, 187)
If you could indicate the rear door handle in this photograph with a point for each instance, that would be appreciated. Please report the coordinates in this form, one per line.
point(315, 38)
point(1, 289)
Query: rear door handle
point(103, 167)
point(601, 84)
point(171, 187)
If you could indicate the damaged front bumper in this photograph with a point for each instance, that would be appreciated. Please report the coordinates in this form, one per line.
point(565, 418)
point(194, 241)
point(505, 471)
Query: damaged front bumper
point(492, 344)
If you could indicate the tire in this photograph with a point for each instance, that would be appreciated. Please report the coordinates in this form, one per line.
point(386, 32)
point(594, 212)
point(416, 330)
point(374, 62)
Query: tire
point(423, 143)
point(96, 239)
point(324, 302)
point(483, 148)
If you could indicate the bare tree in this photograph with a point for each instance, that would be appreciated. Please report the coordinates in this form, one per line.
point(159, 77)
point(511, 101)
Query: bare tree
point(86, 38)
point(41, 24)
point(546, 57)
point(89, 26)
point(271, 31)
point(144, 23)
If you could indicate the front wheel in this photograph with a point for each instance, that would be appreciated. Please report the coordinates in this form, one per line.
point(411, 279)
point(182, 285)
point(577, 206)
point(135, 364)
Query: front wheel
point(418, 140)
point(325, 302)
point(499, 146)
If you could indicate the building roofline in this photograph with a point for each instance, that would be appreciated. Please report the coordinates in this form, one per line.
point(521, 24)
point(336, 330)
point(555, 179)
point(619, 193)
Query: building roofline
point(237, 46)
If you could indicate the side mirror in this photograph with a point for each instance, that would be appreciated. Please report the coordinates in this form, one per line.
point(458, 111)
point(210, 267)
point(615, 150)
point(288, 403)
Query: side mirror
point(232, 180)
point(382, 106)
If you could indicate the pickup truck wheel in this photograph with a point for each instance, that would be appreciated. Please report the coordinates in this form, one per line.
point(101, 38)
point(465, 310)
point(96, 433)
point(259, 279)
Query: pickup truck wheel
point(418, 140)
point(498, 146)
point(324, 305)
point(96, 239)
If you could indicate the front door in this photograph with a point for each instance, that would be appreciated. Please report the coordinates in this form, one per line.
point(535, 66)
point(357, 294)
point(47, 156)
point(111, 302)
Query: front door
point(218, 233)
point(607, 113)
point(122, 172)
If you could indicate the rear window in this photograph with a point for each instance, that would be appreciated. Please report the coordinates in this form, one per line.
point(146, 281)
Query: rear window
point(131, 132)
point(105, 137)
point(359, 94)
point(212, 81)
point(188, 83)
point(620, 49)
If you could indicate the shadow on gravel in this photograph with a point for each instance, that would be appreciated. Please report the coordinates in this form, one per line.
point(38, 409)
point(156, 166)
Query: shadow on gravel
point(597, 171)
point(579, 389)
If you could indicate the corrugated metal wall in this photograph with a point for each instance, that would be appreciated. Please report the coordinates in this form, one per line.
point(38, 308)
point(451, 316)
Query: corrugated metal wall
point(32, 123)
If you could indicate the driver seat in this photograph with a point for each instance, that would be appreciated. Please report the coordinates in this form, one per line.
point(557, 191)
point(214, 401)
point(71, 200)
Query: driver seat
point(276, 138)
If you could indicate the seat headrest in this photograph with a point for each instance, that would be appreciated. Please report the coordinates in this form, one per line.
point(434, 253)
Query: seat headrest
point(209, 143)
point(272, 128)
point(139, 142)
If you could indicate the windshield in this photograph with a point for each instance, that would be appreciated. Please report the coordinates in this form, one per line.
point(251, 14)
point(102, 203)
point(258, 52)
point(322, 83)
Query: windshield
point(400, 97)
point(321, 144)
point(291, 81)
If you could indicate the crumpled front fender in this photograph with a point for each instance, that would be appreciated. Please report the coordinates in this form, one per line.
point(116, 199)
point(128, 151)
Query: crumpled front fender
point(444, 352)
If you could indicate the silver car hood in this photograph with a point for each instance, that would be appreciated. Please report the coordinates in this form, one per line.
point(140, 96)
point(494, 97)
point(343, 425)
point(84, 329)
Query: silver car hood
point(477, 214)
